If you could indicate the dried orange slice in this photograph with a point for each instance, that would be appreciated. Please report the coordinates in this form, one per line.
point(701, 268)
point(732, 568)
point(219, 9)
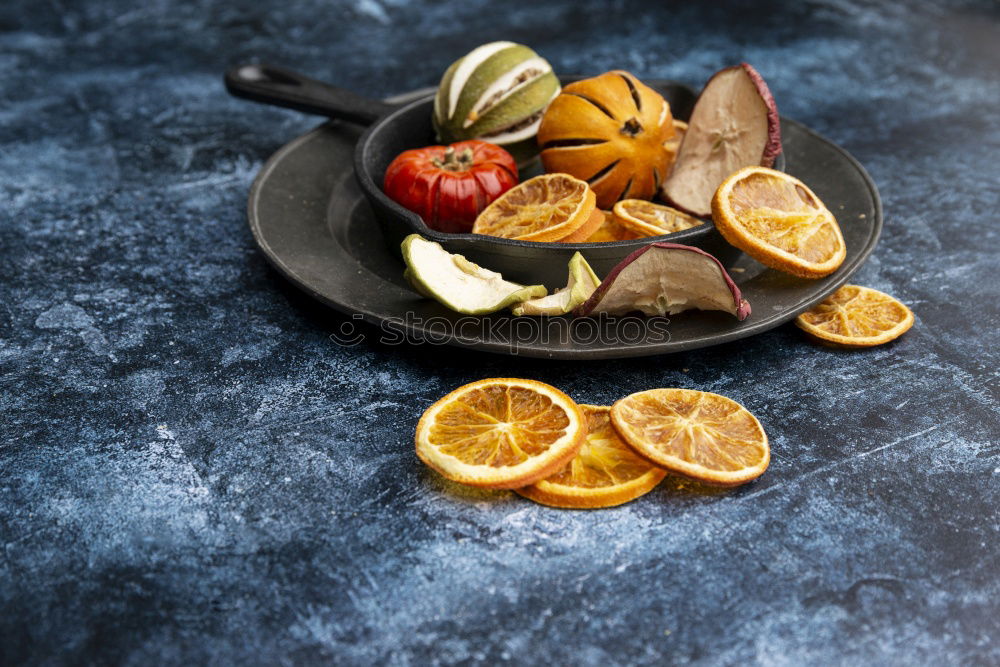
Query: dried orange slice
point(604, 473)
point(549, 207)
point(587, 230)
point(610, 230)
point(777, 220)
point(500, 433)
point(700, 435)
point(856, 317)
point(645, 218)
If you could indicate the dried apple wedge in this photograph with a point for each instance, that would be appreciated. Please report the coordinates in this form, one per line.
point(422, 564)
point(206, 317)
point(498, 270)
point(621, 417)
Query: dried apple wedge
point(664, 279)
point(457, 283)
point(734, 124)
point(580, 285)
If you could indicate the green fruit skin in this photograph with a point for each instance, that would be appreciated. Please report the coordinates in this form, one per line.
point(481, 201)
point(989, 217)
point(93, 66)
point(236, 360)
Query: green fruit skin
point(413, 277)
point(500, 62)
point(583, 280)
point(443, 97)
point(528, 101)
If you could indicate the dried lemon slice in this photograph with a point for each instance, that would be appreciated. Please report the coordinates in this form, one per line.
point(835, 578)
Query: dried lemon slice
point(644, 218)
point(700, 435)
point(500, 433)
point(604, 473)
point(777, 220)
point(549, 207)
point(856, 316)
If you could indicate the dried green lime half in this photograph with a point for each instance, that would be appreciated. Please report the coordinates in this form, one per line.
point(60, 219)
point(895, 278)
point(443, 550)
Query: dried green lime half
point(497, 92)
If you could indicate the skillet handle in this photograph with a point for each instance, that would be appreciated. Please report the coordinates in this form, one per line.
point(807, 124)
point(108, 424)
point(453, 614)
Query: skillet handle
point(285, 88)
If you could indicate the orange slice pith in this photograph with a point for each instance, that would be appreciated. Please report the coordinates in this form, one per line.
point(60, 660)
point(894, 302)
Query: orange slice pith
point(856, 316)
point(645, 218)
point(777, 220)
point(700, 435)
point(604, 473)
point(549, 207)
point(500, 433)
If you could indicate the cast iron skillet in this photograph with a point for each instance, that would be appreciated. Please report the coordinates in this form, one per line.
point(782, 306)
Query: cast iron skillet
point(394, 129)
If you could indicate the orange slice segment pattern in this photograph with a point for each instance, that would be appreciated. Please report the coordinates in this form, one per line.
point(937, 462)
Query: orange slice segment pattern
point(500, 433)
point(856, 316)
point(698, 434)
point(604, 473)
point(777, 220)
point(549, 207)
point(645, 218)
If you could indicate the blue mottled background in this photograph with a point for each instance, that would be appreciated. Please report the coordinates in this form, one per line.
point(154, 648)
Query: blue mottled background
point(192, 472)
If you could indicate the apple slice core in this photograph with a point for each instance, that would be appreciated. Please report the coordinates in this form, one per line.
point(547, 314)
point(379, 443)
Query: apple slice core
point(734, 125)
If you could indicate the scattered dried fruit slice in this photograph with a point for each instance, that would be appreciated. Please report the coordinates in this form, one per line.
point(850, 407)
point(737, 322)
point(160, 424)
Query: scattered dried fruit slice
point(663, 279)
point(734, 124)
point(700, 435)
point(645, 218)
point(856, 316)
point(549, 207)
point(776, 219)
point(500, 433)
point(457, 283)
point(581, 284)
point(604, 473)
point(610, 230)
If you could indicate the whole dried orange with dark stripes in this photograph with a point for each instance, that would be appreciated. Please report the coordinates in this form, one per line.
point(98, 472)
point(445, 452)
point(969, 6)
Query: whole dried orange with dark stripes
point(610, 131)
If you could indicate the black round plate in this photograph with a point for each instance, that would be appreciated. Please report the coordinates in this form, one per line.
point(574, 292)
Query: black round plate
point(313, 224)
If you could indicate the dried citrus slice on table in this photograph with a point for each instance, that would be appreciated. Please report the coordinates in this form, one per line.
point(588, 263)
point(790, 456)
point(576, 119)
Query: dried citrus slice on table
point(856, 317)
point(700, 435)
point(604, 473)
point(549, 207)
point(776, 219)
point(501, 433)
point(644, 218)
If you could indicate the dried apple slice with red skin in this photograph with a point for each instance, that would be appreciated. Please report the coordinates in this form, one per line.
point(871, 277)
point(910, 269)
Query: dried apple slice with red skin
point(734, 125)
point(665, 279)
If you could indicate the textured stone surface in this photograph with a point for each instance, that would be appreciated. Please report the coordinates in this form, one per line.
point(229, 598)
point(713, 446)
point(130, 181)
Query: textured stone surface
point(191, 471)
